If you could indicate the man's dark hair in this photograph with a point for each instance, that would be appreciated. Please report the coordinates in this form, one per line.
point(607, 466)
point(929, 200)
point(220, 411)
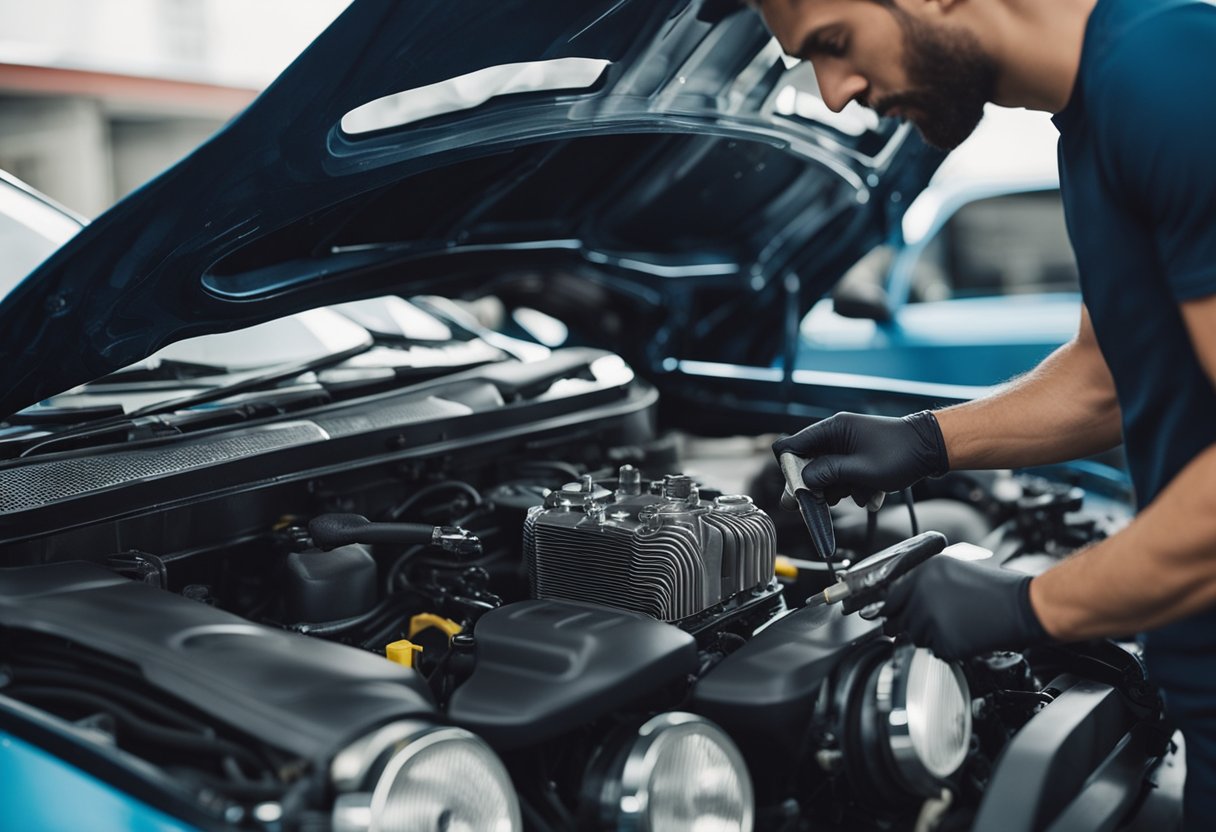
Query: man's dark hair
point(718, 9)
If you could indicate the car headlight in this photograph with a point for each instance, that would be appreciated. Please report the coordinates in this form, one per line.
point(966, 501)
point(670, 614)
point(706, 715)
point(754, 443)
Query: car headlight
point(678, 772)
point(924, 706)
point(413, 777)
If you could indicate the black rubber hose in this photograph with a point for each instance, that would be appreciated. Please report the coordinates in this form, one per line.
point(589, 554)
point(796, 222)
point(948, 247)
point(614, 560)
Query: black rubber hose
point(333, 628)
point(142, 728)
point(40, 677)
point(329, 531)
point(394, 571)
point(434, 488)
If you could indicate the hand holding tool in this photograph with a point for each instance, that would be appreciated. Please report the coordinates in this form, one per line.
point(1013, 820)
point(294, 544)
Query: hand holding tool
point(867, 582)
point(815, 512)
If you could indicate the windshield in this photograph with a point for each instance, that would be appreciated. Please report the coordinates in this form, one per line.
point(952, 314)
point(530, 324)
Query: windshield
point(30, 230)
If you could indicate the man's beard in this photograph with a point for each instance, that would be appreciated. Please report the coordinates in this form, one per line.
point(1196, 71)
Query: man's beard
point(951, 79)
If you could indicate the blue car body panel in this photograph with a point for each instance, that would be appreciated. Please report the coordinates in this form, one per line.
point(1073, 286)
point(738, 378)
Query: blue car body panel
point(45, 793)
point(972, 341)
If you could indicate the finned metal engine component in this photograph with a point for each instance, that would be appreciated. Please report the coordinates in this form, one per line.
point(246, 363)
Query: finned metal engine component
point(668, 554)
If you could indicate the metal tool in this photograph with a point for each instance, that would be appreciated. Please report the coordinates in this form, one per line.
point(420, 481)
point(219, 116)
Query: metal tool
point(867, 583)
point(814, 508)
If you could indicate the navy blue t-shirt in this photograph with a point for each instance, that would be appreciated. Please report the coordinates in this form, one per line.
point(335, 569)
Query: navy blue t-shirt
point(1138, 175)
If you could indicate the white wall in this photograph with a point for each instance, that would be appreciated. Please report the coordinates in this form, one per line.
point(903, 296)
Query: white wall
point(235, 42)
point(62, 147)
point(88, 153)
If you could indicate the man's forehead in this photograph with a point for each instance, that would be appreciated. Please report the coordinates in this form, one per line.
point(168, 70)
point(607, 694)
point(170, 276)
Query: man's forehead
point(807, 12)
point(791, 21)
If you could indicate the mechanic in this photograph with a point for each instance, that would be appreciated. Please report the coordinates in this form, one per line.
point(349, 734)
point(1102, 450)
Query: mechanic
point(1132, 84)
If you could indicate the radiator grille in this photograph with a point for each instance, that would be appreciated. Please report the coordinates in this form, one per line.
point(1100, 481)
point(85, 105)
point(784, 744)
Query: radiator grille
point(44, 483)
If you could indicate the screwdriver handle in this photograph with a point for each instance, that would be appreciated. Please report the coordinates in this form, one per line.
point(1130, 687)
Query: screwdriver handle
point(815, 512)
point(791, 469)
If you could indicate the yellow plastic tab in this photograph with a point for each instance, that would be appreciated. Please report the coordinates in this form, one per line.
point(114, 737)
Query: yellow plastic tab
point(786, 569)
point(426, 620)
point(402, 652)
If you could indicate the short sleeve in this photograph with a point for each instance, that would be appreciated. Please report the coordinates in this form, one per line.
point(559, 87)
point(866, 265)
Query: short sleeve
point(1156, 117)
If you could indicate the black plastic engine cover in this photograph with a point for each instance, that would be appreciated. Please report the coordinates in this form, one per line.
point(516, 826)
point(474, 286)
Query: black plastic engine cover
point(764, 693)
point(299, 694)
point(545, 667)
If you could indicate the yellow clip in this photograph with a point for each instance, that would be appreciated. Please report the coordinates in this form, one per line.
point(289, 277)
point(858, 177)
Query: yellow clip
point(786, 569)
point(426, 620)
point(402, 652)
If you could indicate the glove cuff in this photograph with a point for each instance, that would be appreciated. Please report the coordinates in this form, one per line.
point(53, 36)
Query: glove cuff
point(1032, 629)
point(934, 444)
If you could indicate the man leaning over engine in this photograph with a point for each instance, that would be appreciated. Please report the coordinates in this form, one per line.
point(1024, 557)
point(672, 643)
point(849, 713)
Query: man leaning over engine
point(1132, 84)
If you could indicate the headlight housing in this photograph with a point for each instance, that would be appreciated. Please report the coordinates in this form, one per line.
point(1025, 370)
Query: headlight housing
point(413, 777)
point(925, 705)
point(677, 773)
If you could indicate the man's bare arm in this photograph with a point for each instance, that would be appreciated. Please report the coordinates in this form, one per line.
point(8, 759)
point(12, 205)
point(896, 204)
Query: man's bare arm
point(1063, 409)
point(1159, 569)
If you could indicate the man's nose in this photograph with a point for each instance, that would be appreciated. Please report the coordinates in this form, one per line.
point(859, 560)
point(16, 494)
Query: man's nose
point(838, 85)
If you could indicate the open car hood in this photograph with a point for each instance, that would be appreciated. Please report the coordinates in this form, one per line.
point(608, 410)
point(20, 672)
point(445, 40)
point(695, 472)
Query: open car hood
point(650, 170)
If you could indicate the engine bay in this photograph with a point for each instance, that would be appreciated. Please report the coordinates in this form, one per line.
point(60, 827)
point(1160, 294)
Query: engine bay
point(567, 616)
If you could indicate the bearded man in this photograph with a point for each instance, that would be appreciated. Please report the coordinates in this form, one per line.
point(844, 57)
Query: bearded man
point(1132, 86)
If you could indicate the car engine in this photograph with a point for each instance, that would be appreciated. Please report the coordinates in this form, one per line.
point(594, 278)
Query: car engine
point(663, 553)
point(550, 634)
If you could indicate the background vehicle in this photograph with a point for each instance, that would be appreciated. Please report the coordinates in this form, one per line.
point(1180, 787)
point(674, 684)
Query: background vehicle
point(979, 284)
point(31, 228)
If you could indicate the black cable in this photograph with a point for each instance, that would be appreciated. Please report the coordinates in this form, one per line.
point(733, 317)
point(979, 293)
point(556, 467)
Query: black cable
point(387, 634)
point(333, 628)
point(871, 532)
point(412, 500)
point(394, 571)
point(252, 792)
point(133, 698)
point(140, 727)
point(907, 495)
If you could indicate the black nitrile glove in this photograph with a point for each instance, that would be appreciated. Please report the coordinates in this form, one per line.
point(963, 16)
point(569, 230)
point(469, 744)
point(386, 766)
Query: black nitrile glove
point(959, 609)
point(860, 456)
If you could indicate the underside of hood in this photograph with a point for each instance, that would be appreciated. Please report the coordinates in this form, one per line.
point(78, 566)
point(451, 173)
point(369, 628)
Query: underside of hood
point(639, 164)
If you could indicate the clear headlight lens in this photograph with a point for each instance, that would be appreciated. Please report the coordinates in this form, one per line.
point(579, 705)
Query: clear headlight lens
point(681, 773)
point(421, 780)
point(925, 705)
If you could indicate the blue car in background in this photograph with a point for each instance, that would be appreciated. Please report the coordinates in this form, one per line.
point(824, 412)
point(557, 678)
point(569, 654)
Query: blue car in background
point(979, 285)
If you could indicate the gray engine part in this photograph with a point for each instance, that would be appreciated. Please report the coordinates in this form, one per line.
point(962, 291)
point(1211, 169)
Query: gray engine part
point(668, 554)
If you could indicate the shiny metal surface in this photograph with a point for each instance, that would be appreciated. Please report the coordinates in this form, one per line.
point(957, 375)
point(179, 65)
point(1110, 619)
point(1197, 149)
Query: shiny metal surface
point(408, 777)
point(669, 555)
point(682, 774)
point(924, 705)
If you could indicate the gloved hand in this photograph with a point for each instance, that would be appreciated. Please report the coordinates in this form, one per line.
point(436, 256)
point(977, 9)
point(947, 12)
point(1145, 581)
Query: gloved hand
point(959, 608)
point(861, 456)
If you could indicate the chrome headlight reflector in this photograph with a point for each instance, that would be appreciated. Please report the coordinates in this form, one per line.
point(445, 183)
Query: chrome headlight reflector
point(924, 707)
point(411, 777)
point(678, 773)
